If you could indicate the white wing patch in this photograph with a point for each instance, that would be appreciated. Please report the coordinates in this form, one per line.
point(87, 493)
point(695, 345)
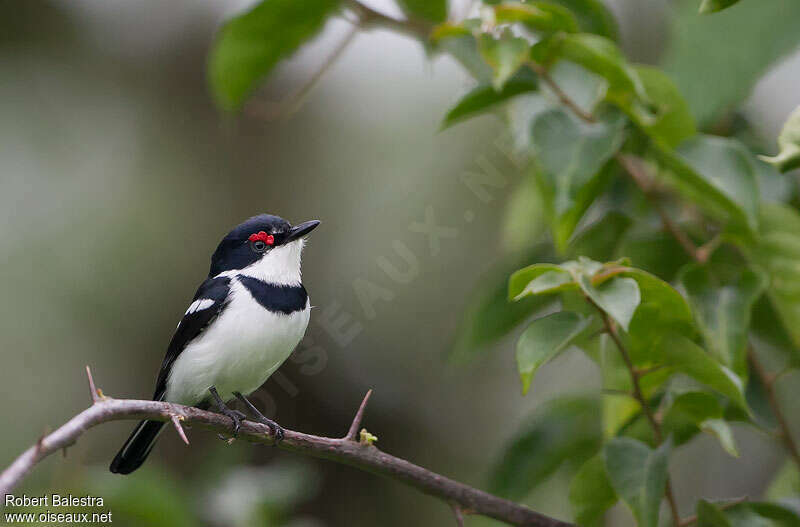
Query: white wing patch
point(199, 305)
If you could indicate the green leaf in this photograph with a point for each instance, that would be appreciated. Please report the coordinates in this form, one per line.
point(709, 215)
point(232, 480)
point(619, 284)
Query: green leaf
point(718, 175)
point(720, 429)
point(571, 156)
point(662, 311)
point(249, 46)
point(601, 239)
point(431, 10)
point(773, 185)
point(709, 515)
point(448, 30)
point(722, 312)
point(761, 514)
point(655, 252)
point(786, 483)
point(695, 411)
point(545, 338)
point(538, 16)
point(673, 122)
point(715, 72)
point(601, 56)
point(712, 6)
point(789, 142)
point(566, 429)
point(484, 97)
point(504, 55)
point(684, 356)
point(463, 46)
point(638, 474)
point(618, 297)
point(488, 315)
point(728, 166)
point(537, 279)
point(590, 492)
point(593, 17)
point(777, 251)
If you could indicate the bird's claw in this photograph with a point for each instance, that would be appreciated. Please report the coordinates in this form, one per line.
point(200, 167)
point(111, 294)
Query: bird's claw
point(237, 417)
point(277, 432)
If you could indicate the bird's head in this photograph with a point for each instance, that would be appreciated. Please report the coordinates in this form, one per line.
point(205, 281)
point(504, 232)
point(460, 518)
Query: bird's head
point(265, 247)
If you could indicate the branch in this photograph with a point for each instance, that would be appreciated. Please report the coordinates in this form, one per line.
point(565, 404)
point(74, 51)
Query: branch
point(341, 450)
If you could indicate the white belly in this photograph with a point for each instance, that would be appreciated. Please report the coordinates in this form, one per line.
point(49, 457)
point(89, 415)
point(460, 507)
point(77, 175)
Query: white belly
point(238, 352)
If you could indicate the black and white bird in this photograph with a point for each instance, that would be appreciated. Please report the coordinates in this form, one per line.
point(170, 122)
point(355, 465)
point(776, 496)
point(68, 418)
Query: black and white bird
point(243, 323)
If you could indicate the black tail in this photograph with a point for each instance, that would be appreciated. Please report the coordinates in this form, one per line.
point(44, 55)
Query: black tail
point(136, 448)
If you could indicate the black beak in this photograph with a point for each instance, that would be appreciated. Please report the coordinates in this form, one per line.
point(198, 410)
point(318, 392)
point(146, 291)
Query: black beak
point(298, 231)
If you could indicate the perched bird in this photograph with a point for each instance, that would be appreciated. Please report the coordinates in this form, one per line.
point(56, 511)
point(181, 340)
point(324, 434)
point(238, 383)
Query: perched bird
point(243, 323)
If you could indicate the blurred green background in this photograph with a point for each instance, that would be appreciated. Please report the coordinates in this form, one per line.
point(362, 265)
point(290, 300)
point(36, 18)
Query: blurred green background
point(119, 177)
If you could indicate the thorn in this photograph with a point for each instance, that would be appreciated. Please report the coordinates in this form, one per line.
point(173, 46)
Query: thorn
point(458, 513)
point(365, 438)
point(176, 422)
point(96, 394)
point(351, 433)
point(40, 441)
point(64, 452)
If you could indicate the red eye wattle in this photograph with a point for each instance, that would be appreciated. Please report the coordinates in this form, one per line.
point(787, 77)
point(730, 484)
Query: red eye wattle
point(263, 236)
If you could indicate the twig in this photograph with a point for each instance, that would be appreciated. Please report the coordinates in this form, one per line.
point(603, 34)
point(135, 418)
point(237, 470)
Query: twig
point(639, 396)
point(774, 403)
point(410, 26)
point(565, 99)
point(705, 251)
point(294, 101)
point(632, 166)
point(727, 505)
point(353, 431)
point(367, 458)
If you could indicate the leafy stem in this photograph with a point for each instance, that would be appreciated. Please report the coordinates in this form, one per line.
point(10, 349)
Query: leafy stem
point(634, 168)
point(638, 394)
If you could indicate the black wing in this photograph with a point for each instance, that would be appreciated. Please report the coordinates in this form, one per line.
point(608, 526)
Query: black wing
point(207, 304)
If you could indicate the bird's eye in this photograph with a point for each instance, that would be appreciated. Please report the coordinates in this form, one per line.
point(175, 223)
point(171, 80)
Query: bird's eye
point(259, 241)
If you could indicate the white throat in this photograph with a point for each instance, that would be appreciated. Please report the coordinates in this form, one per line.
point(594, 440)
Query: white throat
point(280, 265)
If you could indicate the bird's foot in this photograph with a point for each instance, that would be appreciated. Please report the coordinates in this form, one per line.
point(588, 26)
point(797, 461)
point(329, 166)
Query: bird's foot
point(276, 431)
point(234, 415)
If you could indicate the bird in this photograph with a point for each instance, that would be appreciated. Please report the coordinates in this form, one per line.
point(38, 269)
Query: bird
point(244, 321)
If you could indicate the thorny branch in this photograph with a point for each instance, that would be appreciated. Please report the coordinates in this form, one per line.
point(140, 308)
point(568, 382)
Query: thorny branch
point(344, 450)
